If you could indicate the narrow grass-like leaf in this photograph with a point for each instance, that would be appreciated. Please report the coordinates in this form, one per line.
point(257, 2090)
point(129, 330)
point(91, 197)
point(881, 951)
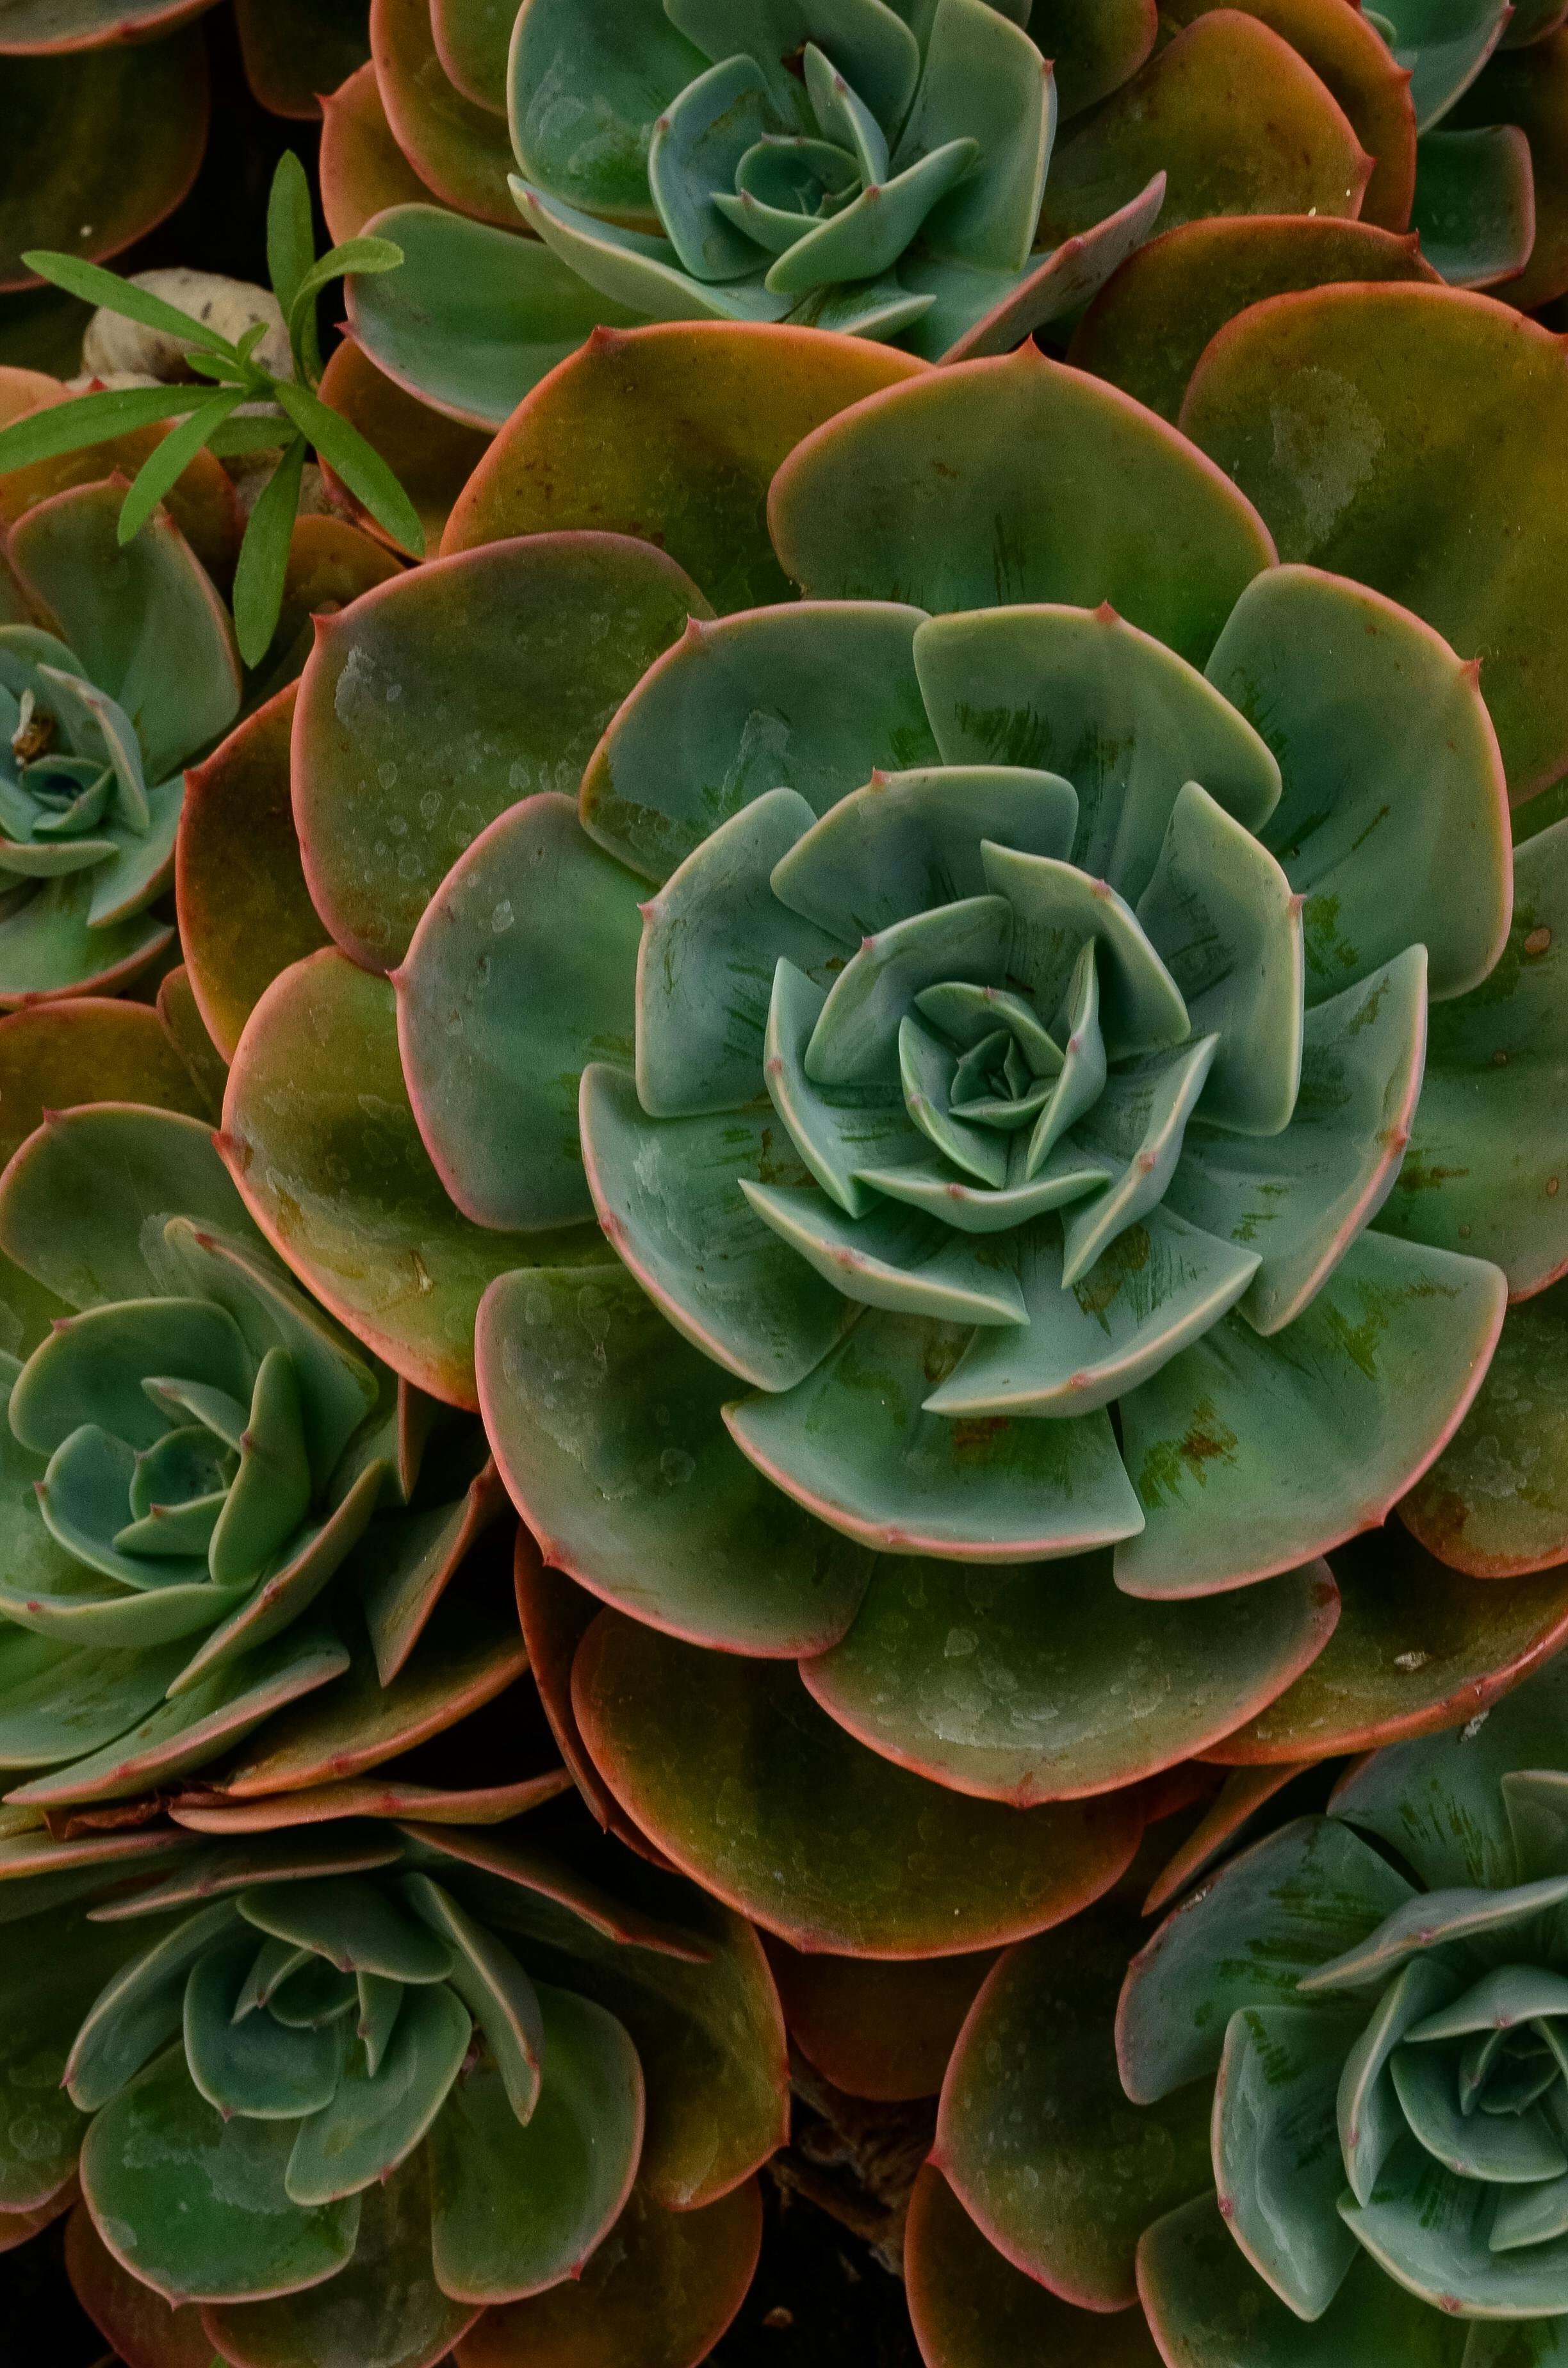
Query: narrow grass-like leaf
point(96, 285)
point(290, 234)
point(169, 461)
point(362, 470)
point(218, 365)
point(264, 556)
point(354, 254)
point(87, 419)
point(253, 433)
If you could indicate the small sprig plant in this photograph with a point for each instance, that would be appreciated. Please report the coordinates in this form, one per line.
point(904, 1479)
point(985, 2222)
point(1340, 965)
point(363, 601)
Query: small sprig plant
point(217, 420)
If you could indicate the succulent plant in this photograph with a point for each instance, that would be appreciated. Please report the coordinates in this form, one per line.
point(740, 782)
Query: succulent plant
point(725, 1436)
point(195, 1456)
point(350, 2089)
point(119, 668)
point(1332, 2112)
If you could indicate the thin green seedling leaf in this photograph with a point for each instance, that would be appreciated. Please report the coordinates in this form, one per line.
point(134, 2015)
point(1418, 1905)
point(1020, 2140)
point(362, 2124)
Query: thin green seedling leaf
point(354, 254)
point(264, 556)
point(361, 468)
point(253, 433)
point(87, 419)
point(96, 285)
point(252, 338)
point(172, 456)
point(290, 234)
point(219, 367)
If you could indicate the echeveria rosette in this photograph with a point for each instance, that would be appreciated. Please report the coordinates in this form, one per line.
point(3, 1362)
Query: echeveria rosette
point(1099, 1112)
point(859, 167)
point(848, 164)
point(194, 1454)
point(1341, 2080)
point(136, 675)
point(353, 2087)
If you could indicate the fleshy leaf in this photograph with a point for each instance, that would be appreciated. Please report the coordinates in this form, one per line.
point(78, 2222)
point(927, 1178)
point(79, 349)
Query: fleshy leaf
point(1412, 849)
point(669, 1196)
point(712, 938)
point(1301, 1198)
point(1066, 2195)
point(475, 316)
point(376, 2118)
point(683, 2273)
point(1083, 693)
point(1475, 203)
point(971, 2308)
point(730, 1769)
point(503, 999)
point(160, 2147)
point(1146, 330)
point(145, 622)
point(319, 1133)
point(242, 922)
point(1495, 1503)
point(1220, 914)
point(1391, 1352)
point(1485, 1161)
point(437, 700)
point(57, 1222)
point(385, 2309)
point(853, 1444)
point(1418, 1647)
point(1277, 2164)
point(673, 434)
point(1024, 1684)
point(991, 526)
point(811, 697)
point(1429, 2230)
point(1301, 1896)
point(606, 1426)
point(1199, 2291)
point(1236, 119)
point(514, 2208)
point(1331, 409)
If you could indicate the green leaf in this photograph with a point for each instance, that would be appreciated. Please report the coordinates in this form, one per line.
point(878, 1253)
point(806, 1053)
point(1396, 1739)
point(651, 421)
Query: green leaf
point(249, 2063)
point(353, 254)
point(204, 2199)
point(1299, 1897)
point(359, 255)
point(88, 419)
point(139, 2009)
point(96, 285)
point(1207, 2303)
point(171, 457)
point(375, 2120)
point(363, 470)
point(249, 435)
point(640, 1488)
point(290, 234)
point(1277, 2161)
point(1064, 2194)
point(515, 2207)
point(264, 556)
point(384, 2310)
